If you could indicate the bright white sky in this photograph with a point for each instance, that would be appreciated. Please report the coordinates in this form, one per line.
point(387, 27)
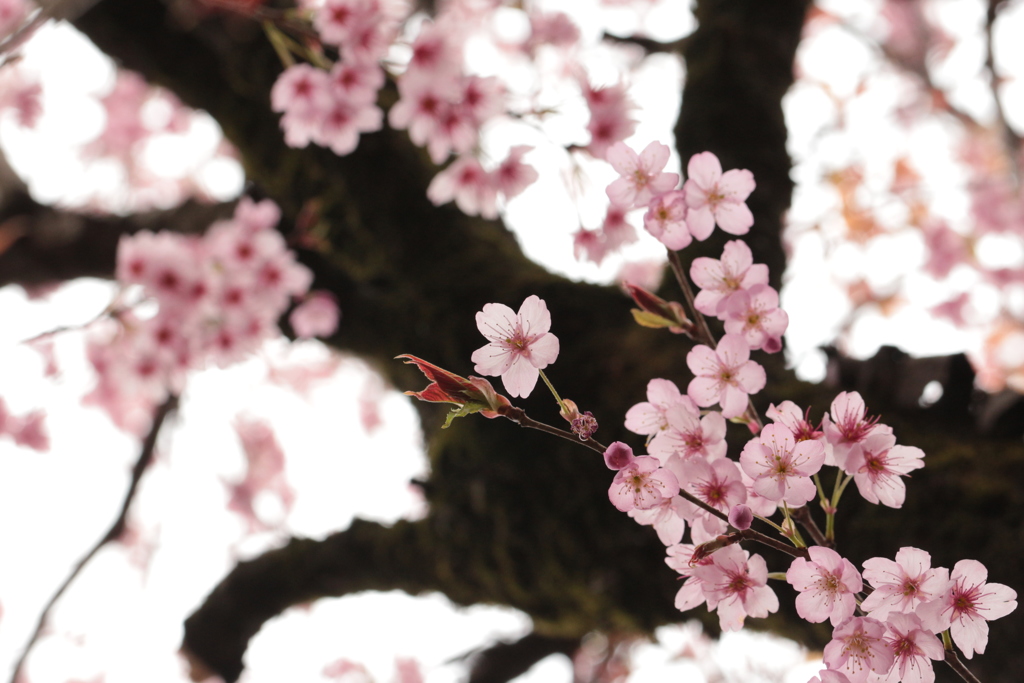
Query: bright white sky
point(55, 505)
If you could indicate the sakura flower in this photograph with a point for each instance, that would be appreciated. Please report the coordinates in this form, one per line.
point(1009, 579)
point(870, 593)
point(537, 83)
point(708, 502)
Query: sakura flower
point(913, 648)
point(469, 185)
point(520, 344)
point(717, 198)
point(317, 316)
point(903, 585)
point(782, 467)
point(513, 176)
point(858, 648)
point(690, 435)
point(642, 484)
point(755, 315)
point(967, 605)
point(848, 426)
point(716, 483)
point(724, 375)
point(649, 418)
point(666, 220)
point(878, 465)
point(828, 585)
point(719, 280)
point(737, 587)
point(642, 178)
point(788, 414)
point(610, 116)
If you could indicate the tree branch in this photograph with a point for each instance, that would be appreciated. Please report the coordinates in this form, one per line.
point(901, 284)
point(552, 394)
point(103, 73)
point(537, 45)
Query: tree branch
point(113, 533)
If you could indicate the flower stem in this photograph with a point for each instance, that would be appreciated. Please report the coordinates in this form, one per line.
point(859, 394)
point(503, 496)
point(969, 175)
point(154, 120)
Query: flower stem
point(803, 516)
point(561, 404)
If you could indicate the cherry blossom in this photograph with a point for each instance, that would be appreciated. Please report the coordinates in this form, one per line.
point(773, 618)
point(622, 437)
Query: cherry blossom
point(724, 375)
point(642, 176)
point(680, 558)
point(690, 435)
point(649, 418)
point(788, 414)
point(610, 120)
point(317, 316)
point(736, 585)
point(520, 344)
point(967, 605)
point(755, 315)
point(513, 176)
point(913, 648)
point(642, 484)
point(903, 585)
point(717, 198)
point(716, 483)
point(828, 584)
point(719, 280)
point(878, 466)
point(781, 466)
point(847, 427)
point(666, 220)
point(858, 648)
point(469, 185)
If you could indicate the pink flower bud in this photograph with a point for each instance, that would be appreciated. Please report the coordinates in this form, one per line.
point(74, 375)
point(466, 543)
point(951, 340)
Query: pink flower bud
point(740, 516)
point(618, 455)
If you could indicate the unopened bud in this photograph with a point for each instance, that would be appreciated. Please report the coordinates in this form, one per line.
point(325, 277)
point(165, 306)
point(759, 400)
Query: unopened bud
point(618, 455)
point(741, 517)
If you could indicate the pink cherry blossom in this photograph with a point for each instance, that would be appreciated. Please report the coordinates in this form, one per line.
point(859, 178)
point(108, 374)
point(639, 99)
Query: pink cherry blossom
point(716, 483)
point(724, 375)
point(913, 648)
point(847, 427)
point(717, 198)
point(642, 177)
point(858, 648)
point(689, 435)
point(828, 584)
point(513, 176)
point(642, 484)
point(903, 585)
point(782, 467)
point(610, 116)
point(967, 605)
point(737, 587)
point(520, 344)
point(719, 280)
point(649, 418)
point(666, 220)
point(755, 315)
point(878, 466)
point(469, 185)
point(317, 316)
point(789, 414)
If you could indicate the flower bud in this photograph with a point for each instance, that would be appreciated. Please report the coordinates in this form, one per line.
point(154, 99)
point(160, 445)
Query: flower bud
point(741, 517)
point(618, 455)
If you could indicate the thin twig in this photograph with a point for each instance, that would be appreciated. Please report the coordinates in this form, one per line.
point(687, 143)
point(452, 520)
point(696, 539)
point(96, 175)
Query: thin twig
point(956, 665)
point(115, 531)
point(1012, 140)
point(650, 45)
point(803, 516)
point(519, 416)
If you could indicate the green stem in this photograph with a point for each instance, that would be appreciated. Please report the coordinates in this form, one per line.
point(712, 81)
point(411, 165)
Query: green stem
point(561, 404)
point(276, 40)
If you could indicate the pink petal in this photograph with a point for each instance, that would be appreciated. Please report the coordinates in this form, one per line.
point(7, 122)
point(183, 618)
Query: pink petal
point(496, 322)
point(653, 158)
point(520, 378)
point(704, 391)
point(623, 159)
point(704, 169)
point(735, 219)
point(736, 184)
point(543, 351)
point(702, 360)
point(492, 360)
point(534, 316)
point(751, 377)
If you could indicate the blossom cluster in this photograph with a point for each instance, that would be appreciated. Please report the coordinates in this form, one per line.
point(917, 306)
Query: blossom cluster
point(217, 298)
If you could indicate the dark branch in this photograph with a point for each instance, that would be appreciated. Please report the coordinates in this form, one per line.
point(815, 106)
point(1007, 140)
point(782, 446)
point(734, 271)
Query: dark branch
point(116, 529)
